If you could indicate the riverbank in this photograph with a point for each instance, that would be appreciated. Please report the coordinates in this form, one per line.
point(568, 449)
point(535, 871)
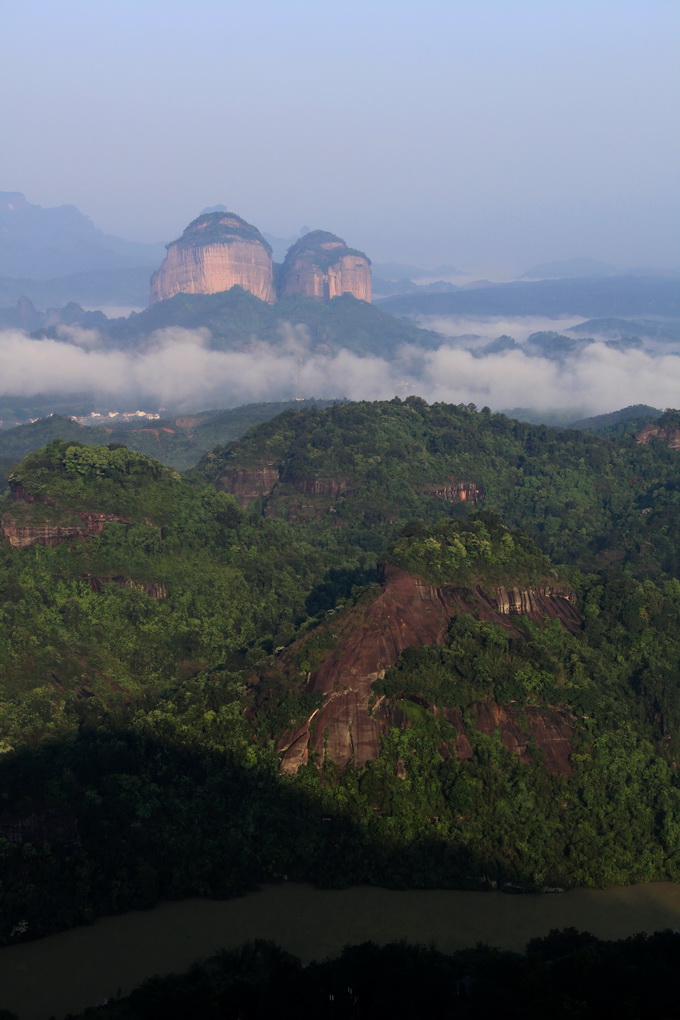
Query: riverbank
point(74, 969)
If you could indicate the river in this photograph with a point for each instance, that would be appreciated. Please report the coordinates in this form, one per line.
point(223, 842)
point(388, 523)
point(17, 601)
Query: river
point(78, 968)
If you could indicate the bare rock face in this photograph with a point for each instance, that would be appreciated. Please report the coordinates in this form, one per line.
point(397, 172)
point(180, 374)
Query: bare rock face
point(22, 535)
point(216, 252)
point(249, 483)
point(454, 491)
point(286, 495)
point(154, 590)
point(320, 265)
point(669, 436)
point(410, 612)
point(39, 521)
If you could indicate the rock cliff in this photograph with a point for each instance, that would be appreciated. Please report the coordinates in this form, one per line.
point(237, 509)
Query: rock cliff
point(249, 483)
point(320, 265)
point(454, 491)
point(216, 252)
point(294, 498)
point(283, 491)
point(21, 534)
point(154, 590)
point(39, 521)
point(410, 612)
point(669, 435)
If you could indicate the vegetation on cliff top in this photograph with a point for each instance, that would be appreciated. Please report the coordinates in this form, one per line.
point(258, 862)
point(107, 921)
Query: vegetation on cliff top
point(219, 228)
point(103, 479)
point(312, 248)
point(475, 551)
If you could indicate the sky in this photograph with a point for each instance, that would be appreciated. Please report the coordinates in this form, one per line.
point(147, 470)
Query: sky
point(482, 134)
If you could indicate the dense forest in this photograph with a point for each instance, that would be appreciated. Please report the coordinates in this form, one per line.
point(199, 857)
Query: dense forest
point(163, 634)
point(565, 974)
point(177, 441)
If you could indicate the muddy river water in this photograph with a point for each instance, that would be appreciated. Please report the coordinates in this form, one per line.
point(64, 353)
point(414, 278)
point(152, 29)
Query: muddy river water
point(78, 968)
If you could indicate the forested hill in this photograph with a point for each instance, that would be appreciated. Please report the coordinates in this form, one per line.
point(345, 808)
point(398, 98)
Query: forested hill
point(208, 683)
point(234, 317)
point(586, 500)
point(177, 441)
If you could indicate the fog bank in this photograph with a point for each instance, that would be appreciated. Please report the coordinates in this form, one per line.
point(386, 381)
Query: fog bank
point(177, 369)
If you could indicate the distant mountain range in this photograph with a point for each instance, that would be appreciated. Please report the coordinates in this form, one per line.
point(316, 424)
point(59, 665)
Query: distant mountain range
point(618, 329)
point(107, 288)
point(54, 256)
point(43, 243)
point(570, 268)
point(579, 267)
point(614, 296)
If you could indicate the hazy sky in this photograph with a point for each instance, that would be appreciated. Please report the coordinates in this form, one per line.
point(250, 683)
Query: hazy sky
point(479, 133)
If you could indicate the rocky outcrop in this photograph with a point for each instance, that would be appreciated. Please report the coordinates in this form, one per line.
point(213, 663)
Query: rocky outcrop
point(456, 492)
point(282, 491)
point(320, 265)
point(39, 521)
point(216, 252)
point(669, 435)
point(249, 483)
point(553, 602)
point(331, 487)
point(550, 730)
point(154, 590)
point(410, 612)
point(21, 533)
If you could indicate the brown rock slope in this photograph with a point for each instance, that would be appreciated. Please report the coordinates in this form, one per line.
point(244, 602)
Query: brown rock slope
point(216, 252)
point(411, 612)
point(320, 265)
point(670, 436)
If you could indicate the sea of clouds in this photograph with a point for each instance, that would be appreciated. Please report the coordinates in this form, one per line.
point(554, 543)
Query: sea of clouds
point(177, 368)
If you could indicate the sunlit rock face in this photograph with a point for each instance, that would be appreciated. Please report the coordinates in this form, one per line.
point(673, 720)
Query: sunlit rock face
point(320, 265)
point(216, 252)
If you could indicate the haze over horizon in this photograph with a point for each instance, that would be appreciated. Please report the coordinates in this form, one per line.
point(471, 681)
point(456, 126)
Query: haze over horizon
point(488, 137)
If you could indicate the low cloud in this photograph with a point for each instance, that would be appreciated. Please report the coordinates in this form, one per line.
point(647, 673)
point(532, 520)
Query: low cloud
point(176, 368)
point(493, 326)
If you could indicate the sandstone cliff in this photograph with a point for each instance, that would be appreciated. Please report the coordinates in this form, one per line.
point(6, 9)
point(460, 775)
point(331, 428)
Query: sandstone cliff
point(320, 265)
point(217, 251)
point(454, 491)
point(35, 520)
point(669, 435)
point(297, 499)
point(21, 533)
point(410, 612)
point(282, 491)
point(249, 483)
